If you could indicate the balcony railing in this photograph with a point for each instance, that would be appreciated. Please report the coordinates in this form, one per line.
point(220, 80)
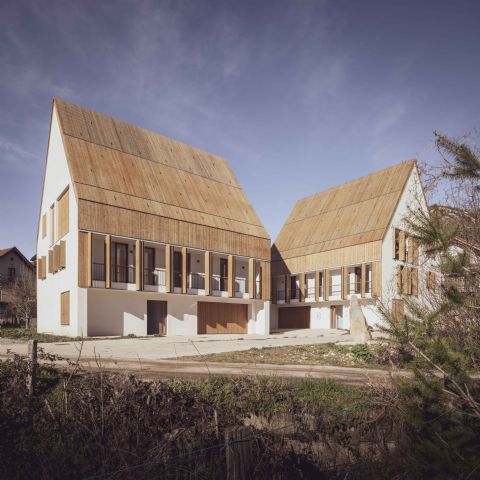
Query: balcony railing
point(241, 285)
point(335, 290)
point(295, 294)
point(280, 295)
point(123, 274)
point(368, 286)
point(355, 287)
point(219, 283)
point(197, 280)
point(154, 276)
point(310, 292)
point(98, 272)
point(177, 279)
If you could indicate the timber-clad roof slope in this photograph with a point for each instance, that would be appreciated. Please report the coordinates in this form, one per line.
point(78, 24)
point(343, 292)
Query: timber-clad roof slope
point(354, 213)
point(132, 182)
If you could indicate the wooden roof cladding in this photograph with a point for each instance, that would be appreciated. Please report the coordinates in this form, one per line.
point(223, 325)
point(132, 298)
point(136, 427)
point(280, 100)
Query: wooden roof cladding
point(354, 213)
point(132, 182)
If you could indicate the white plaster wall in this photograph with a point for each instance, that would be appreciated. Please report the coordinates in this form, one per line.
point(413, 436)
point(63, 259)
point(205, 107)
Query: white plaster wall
point(320, 317)
point(412, 198)
point(57, 178)
point(117, 312)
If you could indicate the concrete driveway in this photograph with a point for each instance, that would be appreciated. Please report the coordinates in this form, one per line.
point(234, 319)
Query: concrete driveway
point(158, 348)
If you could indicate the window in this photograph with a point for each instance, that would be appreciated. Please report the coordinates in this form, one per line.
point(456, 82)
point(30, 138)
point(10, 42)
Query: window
point(368, 278)
point(293, 287)
point(11, 274)
point(396, 243)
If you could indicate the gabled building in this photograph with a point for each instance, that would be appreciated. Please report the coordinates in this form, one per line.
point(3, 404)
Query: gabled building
point(348, 241)
point(140, 234)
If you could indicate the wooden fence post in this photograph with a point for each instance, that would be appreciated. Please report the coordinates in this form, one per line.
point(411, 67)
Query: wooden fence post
point(238, 448)
point(32, 365)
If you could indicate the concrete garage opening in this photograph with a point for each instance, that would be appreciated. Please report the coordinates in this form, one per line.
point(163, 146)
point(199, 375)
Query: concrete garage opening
point(216, 317)
point(294, 317)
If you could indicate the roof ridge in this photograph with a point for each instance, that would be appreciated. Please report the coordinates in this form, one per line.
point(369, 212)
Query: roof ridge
point(413, 161)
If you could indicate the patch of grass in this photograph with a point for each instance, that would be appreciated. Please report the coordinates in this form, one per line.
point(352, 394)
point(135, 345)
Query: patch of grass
point(319, 354)
point(270, 396)
point(31, 334)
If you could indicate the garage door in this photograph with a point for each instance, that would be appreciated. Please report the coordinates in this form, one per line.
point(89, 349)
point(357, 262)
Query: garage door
point(222, 317)
point(294, 317)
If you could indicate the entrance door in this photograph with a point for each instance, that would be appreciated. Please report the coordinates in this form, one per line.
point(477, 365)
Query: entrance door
point(336, 316)
point(156, 317)
point(333, 316)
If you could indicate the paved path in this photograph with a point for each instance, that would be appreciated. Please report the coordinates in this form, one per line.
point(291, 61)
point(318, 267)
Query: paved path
point(158, 348)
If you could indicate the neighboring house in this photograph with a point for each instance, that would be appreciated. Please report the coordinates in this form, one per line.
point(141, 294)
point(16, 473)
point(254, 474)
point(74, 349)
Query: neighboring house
point(13, 264)
point(140, 234)
point(347, 241)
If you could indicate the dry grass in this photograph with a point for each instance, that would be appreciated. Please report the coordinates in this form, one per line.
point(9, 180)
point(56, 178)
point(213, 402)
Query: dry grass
point(320, 354)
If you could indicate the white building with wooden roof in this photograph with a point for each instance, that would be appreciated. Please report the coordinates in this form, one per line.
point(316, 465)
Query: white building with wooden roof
point(140, 234)
point(348, 241)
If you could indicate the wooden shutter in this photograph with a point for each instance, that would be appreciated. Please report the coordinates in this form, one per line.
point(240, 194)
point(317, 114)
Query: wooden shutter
point(326, 285)
point(63, 255)
point(230, 276)
point(52, 224)
point(377, 279)
point(266, 281)
point(184, 269)
point(84, 259)
point(56, 258)
point(41, 268)
point(317, 286)
point(415, 252)
point(108, 261)
point(168, 268)
point(65, 308)
point(363, 279)
point(301, 296)
point(63, 214)
point(406, 286)
point(208, 274)
point(398, 308)
point(401, 245)
point(44, 225)
point(138, 265)
point(414, 280)
point(399, 279)
point(394, 243)
point(50, 261)
point(251, 278)
point(344, 279)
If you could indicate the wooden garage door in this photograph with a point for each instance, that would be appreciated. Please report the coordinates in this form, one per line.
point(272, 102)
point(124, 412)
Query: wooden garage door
point(294, 317)
point(222, 317)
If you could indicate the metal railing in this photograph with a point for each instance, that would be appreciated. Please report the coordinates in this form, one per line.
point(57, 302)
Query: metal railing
point(154, 276)
point(177, 279)
point(241, 285)
point(295, 294)
point(197, 280)
point(335, 290)
point(98, 272)
point(219, 283)
point(310, 292)
point(280, 296)
point(368, 286)
point(355, 287)
point(123, 274)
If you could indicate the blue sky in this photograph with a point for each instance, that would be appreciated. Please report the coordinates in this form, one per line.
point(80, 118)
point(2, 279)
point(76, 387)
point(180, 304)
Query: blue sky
point(297, 95)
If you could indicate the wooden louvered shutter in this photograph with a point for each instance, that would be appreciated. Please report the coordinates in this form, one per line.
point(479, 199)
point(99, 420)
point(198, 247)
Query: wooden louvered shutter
point(301, 295)
point(326, 285)
point(399, 279)
point(401, 245)
point(65, 308)
point(84, 259)
point(63, 254)
point(317, 286)
point(414, 281)
point(265, 281)
point(50, 261)
point(376, 279)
